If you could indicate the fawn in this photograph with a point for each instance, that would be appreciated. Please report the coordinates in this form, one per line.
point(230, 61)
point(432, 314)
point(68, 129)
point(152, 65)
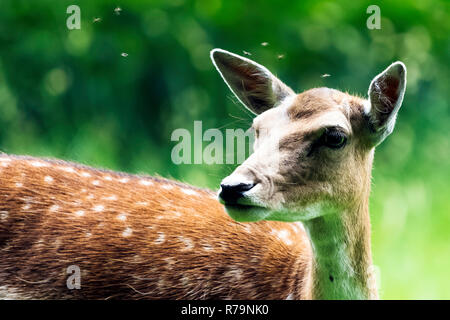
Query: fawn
point(299, 226)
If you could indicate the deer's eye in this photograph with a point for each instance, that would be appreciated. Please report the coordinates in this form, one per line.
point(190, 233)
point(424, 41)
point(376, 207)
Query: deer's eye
point(334, 139)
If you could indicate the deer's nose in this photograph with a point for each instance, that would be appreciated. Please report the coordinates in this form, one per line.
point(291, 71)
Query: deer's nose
point(230, 193)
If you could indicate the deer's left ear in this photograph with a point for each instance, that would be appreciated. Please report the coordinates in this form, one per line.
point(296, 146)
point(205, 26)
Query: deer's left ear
point(386, 93)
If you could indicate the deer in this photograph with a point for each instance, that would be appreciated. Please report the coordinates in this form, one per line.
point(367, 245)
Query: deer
point(290, 222)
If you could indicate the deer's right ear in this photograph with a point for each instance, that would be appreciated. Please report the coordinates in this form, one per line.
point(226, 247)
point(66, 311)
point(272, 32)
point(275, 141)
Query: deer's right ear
point(255, 86)
point(386, 93)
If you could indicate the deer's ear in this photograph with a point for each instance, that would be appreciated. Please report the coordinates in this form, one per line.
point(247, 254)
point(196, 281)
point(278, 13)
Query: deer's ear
point(386, 93)
point(255, 86)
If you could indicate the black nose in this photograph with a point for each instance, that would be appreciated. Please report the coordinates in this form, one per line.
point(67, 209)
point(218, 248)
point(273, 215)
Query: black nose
point(231, 193)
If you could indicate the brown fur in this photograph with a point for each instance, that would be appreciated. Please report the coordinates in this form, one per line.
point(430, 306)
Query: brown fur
point(204, 255)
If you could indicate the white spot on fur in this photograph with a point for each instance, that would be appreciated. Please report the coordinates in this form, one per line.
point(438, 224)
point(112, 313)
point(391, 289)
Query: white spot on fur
point(79, 213)
point(90, 196)
point(96, 183)
point(161, 238)
point(26, 207)
point(86, 174)
point(187, 242)
point(185, 281)
point(39, 164)
point(111, 198)
point(19, 184)
point(12, 293)
point(124, 180)
point(39, 243)
point(146, 182)
point(88, 234)
point(290, 296)
point(189, 192)
point(122, 217)
point(48, 179)
point(4, 215)
point(283, 235)
point(142, 203)
point(54, 208)
point(298, 227)
point(5, 160)
point(170, 262)
point(127, 232)
point(107, 178)
point(67, 169)
point(235, 273)
point(207, 247)
point(161, 284)
point(5, 164)
point(98, 208)
point(167, 187)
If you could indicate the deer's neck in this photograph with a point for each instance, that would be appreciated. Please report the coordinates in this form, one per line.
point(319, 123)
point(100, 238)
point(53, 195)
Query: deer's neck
point(342, 266)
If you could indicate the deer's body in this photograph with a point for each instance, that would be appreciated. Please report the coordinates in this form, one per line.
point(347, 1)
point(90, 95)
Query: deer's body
point(138, 237)
point(135, 237)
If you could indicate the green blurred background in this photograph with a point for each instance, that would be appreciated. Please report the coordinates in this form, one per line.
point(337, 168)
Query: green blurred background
point(75, 95)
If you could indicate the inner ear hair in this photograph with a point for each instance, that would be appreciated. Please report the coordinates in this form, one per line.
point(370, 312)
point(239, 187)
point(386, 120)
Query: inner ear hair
point(386, 93)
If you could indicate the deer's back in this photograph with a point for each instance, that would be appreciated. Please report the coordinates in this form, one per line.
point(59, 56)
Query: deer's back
point(135, 237)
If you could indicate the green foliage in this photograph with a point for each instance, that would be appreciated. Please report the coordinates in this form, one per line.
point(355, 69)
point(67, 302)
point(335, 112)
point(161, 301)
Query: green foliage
point(75, 95)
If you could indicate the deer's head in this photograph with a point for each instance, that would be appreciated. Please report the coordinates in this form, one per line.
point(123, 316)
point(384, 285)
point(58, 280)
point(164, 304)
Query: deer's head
point(311, 149)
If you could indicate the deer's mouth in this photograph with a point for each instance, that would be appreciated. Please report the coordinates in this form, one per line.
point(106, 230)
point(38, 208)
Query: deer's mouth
point(239, 204)
point(242, 207)
point(246, 212)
